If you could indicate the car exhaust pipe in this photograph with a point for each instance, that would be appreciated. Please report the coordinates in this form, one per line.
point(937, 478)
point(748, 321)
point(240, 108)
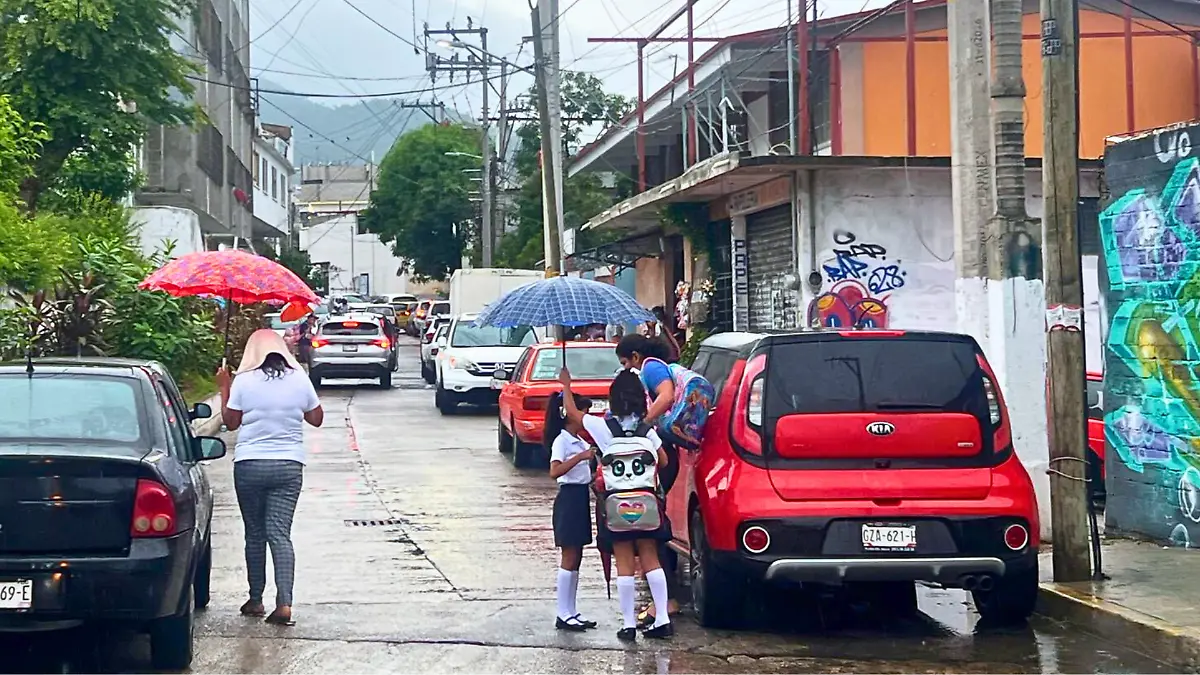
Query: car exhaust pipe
point(985, 583)
point(969, 582)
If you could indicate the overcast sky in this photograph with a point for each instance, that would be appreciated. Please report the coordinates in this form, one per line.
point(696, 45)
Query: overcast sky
point(302, 43)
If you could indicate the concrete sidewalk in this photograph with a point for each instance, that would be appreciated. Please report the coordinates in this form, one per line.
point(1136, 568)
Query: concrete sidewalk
point(1148, 603)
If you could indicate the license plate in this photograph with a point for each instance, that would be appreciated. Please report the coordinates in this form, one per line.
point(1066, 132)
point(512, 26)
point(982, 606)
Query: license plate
point(16, 594)
point(349, 348)
point(889, 537)
point(599, 406)
point(497, 384)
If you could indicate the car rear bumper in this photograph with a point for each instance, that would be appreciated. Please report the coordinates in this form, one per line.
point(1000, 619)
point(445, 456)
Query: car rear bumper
point(350, 368)
point(838, 570)
point(146, 584)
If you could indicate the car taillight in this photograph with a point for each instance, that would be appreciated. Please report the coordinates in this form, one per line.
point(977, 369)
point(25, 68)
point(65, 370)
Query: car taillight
point(317, 343)
point(153, 511)
point(350, 324)
point(382, 343)
point(420, 314)
point(748, 406)
point(1016, 537)
point(536, 403)
point(755, 539)
point(989, 390)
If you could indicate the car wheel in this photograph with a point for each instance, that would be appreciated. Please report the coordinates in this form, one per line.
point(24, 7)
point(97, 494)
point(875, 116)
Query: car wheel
point(524, 455)
point(385, 380)
point(316, 381)
point(444, 401)
point(202, 583)
point(1011, 600)
point(428, 374)
point(504, 440)
point(719, 595)
point(171, 639)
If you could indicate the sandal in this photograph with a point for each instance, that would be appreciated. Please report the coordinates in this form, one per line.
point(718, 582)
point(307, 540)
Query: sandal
point(252, 608)
point(279, 619)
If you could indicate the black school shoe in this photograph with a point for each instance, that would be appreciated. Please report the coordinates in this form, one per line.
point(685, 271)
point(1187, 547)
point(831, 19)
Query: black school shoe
point(586, 623)
point(627, 634)
point(660, 632)
point(572, 624)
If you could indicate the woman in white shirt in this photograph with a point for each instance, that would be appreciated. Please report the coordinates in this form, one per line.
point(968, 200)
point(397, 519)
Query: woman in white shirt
point(269, 401)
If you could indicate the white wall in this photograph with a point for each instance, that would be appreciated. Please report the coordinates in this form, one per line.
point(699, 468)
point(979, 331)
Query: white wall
point(902, 226)
point(330, 242)
point(158, 225)
point(272, 203)
point(756, 126)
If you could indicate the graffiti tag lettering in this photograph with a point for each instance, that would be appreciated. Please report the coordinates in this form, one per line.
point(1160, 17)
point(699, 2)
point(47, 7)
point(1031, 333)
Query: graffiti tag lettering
point(1178, 146)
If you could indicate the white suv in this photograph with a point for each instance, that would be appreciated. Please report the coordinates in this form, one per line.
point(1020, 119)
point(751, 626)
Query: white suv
point(464, 367)
point(351, 346)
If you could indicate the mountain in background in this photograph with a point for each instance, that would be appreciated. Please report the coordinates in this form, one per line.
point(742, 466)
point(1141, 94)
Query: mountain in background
point(358, 128)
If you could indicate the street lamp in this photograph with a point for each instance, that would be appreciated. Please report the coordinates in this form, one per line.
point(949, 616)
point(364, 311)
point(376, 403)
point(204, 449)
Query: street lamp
point(455, 153)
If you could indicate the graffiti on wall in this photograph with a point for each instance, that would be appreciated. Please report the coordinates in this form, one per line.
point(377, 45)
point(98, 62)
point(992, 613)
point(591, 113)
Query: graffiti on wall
point(1151, 238)
point(858, 279)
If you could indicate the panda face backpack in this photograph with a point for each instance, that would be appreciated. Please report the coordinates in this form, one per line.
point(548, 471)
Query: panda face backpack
point(629, 467)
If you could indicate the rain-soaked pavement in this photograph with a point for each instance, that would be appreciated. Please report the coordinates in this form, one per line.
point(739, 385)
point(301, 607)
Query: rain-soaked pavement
point(421, 549)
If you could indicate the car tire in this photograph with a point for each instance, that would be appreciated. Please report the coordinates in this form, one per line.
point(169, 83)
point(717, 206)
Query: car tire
point(719, 596)
point(385, 380)
point(525, 455)
point(202, 585)
point(1011, 600)
point(171, 639)
point(428, 374)
point(444, 401)
point(504, 440)
point(316, 381)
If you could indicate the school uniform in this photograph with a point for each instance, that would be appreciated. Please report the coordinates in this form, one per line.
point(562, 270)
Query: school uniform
point(598, 429)
point(572, 507)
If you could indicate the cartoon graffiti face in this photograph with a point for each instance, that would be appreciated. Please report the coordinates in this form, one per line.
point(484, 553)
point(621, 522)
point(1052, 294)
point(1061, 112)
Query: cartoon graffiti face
point(848, 304)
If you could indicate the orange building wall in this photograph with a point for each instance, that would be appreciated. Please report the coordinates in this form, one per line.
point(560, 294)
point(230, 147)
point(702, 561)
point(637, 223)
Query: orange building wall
point(1164, 88)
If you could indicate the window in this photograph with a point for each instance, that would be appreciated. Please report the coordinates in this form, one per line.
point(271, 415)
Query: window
point(177, 420)
point(585, 363)
point(717, 372)
point(1095, 399)
point(264, 171)
point(257, 176)
point(363, 328)
point(71, 407)
point(439, 308)
point(274, 184)
point(874, 375)
point(466, 335)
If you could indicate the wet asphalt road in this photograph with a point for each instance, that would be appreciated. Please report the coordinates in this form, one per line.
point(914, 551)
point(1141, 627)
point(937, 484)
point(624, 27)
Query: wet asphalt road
point(421, 549)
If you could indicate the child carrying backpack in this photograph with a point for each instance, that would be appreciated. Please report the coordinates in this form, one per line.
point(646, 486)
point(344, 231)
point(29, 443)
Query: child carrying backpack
point(630, 455)
point(569, 465)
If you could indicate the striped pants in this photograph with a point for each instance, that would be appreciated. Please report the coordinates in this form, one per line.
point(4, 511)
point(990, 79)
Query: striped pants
point(267, 492)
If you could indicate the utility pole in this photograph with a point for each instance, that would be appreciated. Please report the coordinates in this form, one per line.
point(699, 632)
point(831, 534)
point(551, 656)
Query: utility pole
point(483, 63)
point(499, 206)
point(551, 207)
point(1064, 291)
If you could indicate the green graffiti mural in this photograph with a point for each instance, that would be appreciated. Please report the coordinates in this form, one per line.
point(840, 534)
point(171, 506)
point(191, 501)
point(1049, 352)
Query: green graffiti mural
point(1152, 254)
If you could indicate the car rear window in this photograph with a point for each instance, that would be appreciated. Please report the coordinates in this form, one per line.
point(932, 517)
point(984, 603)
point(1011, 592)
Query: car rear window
point(383, 310)
point(874, 375)
point(585, 363)
point(70, 408)
point(361, 328)
point(440, 308)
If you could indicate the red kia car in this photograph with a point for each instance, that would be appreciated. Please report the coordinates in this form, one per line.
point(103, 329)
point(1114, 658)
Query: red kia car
point(872, 457)
point(526, 391)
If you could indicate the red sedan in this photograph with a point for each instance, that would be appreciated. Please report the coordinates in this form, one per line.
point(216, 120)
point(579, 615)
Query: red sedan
point(526, 391)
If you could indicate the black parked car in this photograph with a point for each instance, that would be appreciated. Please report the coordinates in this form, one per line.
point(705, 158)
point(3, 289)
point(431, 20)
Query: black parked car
point(105, 507)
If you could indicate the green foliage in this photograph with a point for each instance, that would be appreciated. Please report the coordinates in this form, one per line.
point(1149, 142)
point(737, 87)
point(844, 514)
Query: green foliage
point(687, 355)
point(691, 219)
point(71, 64)
point(31, 249)
point(585, 100)
point(422, 194)
point(20, 142)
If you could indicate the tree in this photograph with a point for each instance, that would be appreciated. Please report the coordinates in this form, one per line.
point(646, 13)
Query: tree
point(585, 102)
point(77, 66)
point(421, 205)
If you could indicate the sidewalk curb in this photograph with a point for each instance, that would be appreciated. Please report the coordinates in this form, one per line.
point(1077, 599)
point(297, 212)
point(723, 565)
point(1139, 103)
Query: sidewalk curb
point(1149, 635)
point(212, 425)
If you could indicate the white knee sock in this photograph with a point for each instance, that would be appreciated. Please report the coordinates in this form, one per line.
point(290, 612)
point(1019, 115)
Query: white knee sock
point(573, 593)
point(657, 579)
point(625, 593)
point(566, 600)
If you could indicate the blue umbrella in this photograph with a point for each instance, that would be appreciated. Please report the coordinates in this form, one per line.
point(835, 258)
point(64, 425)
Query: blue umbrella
point(563, 301)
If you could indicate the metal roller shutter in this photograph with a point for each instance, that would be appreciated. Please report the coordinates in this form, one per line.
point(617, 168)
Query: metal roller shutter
point(770, 257)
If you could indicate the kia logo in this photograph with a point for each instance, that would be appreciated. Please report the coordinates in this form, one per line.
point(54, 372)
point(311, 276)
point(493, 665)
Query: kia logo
point(880, 428)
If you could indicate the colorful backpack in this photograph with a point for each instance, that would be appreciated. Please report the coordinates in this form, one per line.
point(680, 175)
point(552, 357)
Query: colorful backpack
point(683, 424)
point(629, 469)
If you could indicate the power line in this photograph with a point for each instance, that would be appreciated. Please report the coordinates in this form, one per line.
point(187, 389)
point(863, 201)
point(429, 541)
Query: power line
point(320, 76)
point(383, 94)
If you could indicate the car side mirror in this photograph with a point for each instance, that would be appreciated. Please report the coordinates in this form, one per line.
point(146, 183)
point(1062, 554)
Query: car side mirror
point(441, 343)
point(501, 374)
point(200, 411)
point(209, 447)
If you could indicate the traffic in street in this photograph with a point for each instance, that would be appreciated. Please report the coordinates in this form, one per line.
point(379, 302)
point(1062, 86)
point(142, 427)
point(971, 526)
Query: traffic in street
point(421, 548)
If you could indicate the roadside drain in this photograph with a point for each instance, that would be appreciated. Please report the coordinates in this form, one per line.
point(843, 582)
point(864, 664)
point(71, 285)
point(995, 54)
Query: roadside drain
point(391, 522)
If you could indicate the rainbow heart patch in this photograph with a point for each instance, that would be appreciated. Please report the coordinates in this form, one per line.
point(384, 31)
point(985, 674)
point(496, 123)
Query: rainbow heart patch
point(631, 512)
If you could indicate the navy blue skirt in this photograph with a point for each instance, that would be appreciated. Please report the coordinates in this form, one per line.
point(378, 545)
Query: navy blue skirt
point(573, 515)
